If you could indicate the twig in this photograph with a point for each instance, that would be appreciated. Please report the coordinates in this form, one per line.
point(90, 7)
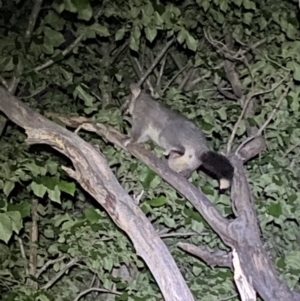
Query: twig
point(167, 235)
point(58, 275)
point(172, 79)
point(140, 69)
point(34, 93)
point(33, 241)
point(31, 23)
point(230, 54)
point(286, 90)
point(290, 149)
point(227, 298)
point(47, 264)
point(92, 289)
point(23, 253)
point(161, 71)
point(250, 96)
point(176, 61)
point(189, 75)
point(64, 53)
point(155, 62)
point(118, 53)
point(33, 17)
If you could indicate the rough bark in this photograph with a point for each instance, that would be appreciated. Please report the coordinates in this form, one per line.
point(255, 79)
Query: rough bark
point(94, 175)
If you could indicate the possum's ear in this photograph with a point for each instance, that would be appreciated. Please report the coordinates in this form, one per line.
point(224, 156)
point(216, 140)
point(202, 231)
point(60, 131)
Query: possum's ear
point(174, 154)
point(135, 90)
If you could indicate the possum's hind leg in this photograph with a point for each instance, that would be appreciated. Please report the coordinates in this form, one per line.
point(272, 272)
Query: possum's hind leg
point(178, 163)
point(184, 164)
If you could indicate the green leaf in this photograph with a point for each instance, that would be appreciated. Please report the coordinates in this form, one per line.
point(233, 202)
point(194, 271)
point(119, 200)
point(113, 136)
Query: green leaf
point(224, 6)
point(92, 215)
point(136, 33)
point(33, 168)
point(8, 187)
point(84, 9)
point(275, 210)
point(197, 270)
point(67, 187)
point(205, 4)
point(292, 260)
point(16, 220)
point(222, 113)
point(53, 37)
point(158, 20)
point(54, 20)
point(197, 227)
point(54, 195)
point(296, 73)
point(5, 227)
point(148, 9)
point(100, 30)
point(169, 222)
point(280, 263)
point(291, 32)
point(249, 4)
point(262, 23)
point(38, 189)
point(59, 7)
point(237, 2)
point(158, 202)
point(181, 36)
point(23, 208)
point(247, 18)
point(147, 178)
point(86, 97)
point(151, 33)
point(120, 34)
point(191, 42)
point(69, 6)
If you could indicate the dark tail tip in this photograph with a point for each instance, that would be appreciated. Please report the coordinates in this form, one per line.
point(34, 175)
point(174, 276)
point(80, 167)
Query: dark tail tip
point(218, 165)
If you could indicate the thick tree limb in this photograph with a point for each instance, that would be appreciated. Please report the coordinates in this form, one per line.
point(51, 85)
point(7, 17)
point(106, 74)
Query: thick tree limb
point(241, 234)
point(94, 175)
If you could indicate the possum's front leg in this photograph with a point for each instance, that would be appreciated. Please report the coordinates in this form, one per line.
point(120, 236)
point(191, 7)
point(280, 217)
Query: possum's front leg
point(138, 134)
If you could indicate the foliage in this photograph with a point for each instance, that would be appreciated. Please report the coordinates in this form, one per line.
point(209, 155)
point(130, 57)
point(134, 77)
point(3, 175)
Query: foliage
point(98, 69)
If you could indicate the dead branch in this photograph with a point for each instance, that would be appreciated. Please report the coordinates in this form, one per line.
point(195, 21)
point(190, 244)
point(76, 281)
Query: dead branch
point(96, 289)
point(95, 176)
point(47, 264)
point(246, 103)
point(244, 286)
point(161, 71)
point(34, 234)
point(262, 128)
point(190, 192)
point(242, 234)
point(156, 61)
point(63, 53)
point(31, 23)
point(60, 273)
point(217, 258)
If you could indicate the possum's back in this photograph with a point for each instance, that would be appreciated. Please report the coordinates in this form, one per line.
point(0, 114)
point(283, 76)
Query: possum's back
point(174, 128)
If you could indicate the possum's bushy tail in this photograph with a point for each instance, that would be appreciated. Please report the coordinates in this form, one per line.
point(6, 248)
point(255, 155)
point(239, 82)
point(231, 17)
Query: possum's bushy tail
point(220, 166)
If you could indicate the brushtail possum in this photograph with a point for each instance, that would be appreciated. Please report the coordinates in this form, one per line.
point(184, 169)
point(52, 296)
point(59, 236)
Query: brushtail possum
point(183, 142)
